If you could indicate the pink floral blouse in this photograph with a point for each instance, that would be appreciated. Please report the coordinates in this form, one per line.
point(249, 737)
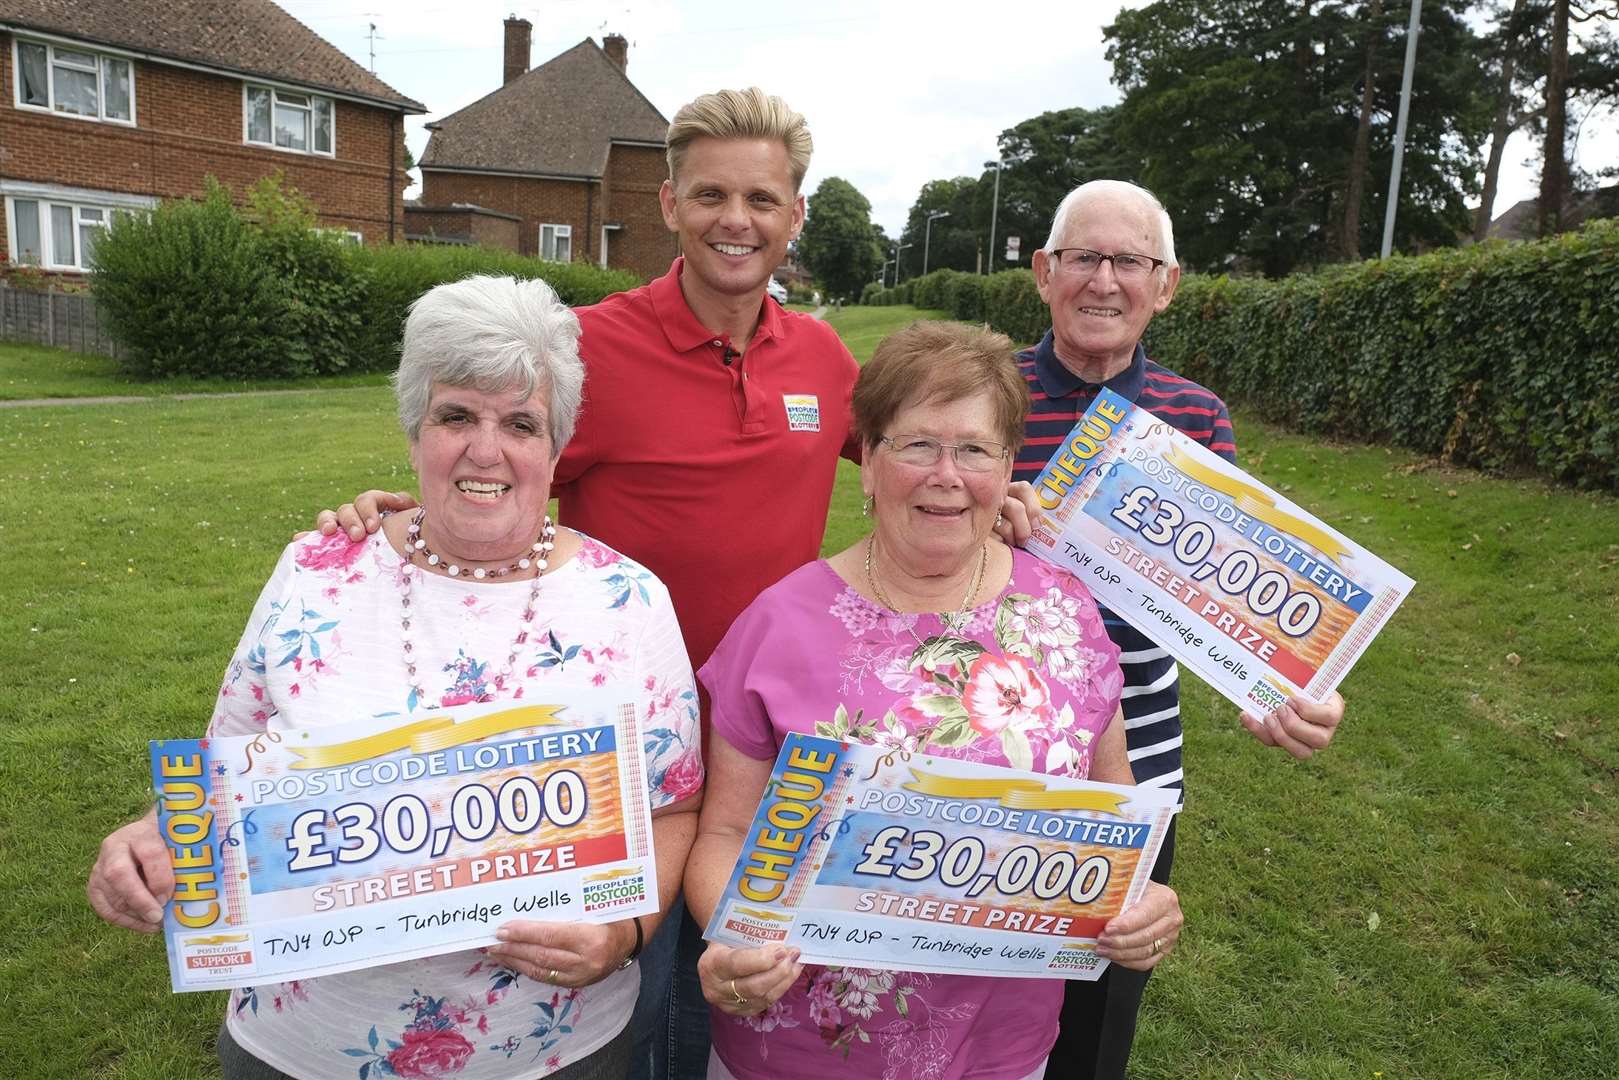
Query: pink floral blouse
point(323, 645)
point(1033, 684)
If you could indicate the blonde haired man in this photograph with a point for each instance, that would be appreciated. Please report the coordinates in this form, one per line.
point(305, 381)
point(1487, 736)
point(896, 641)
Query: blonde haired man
point(710, 436)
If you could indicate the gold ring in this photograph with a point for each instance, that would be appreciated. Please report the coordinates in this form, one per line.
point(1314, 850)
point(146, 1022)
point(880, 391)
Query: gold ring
point(1157, 943)
point(740, 1000)
point(554, 977)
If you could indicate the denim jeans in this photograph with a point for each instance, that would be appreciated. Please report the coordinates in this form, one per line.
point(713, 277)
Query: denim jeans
point(671, 1017)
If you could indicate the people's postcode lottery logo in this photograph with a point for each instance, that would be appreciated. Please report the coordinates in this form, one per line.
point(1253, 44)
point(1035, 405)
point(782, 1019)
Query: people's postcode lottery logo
point(615, 888)
point(803, 412)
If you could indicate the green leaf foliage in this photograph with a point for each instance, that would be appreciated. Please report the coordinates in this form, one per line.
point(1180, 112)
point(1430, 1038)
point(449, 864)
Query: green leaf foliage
point(205, 289)
point(1499, 355)
point(839, 244)
point(187, 291)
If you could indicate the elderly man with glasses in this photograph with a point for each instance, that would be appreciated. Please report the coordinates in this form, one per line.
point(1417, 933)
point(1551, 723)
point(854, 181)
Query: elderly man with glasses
point(1107, 268)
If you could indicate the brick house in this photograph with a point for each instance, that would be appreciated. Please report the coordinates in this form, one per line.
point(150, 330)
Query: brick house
point(571, 148)
point(114, 104)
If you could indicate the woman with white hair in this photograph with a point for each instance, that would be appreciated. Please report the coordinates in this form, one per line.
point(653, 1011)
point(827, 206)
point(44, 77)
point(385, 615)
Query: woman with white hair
point(476, 596)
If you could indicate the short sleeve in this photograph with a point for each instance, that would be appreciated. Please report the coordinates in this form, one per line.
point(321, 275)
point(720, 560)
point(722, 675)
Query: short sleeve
point(738, 711)
point(244, 706)
point(667, 705)
point(850, 369)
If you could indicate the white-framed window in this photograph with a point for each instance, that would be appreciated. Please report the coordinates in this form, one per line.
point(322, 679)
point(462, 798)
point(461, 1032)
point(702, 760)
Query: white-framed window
point(68, 81)
point(556, 242)
point(56, 234)
point(347, 236)
point(288, 120)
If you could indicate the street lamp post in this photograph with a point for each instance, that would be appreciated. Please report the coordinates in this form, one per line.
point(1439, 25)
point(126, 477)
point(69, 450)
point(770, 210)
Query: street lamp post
point(898, 250)
point(1399, 126)
point(927, 235)
point(994, 207)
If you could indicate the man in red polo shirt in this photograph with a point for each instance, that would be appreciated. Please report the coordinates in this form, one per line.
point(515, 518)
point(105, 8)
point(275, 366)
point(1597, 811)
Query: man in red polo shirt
point(709, 437)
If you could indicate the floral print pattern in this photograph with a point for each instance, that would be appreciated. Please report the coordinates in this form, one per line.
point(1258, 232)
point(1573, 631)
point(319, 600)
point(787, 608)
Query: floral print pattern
point(1028, 682)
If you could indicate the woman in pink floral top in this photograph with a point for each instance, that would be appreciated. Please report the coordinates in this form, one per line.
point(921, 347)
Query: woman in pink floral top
point(924, 636)
point(477, 598)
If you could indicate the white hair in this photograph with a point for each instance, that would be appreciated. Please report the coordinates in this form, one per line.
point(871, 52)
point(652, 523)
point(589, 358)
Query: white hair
point(494, 334)
point(1101, 188)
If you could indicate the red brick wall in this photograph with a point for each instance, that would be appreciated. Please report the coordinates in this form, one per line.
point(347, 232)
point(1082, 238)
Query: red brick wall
point(486, 229)
point(537, 202)
point(644, 245)
point(190, 126)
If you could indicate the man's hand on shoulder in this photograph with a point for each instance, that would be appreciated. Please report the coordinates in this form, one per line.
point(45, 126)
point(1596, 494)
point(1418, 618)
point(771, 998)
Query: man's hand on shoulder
point(1300, 727)
point(1018, 513)
point(364, 514)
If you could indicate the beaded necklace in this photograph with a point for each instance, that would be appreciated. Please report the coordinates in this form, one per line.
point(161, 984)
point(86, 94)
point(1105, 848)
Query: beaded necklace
point(538, 558)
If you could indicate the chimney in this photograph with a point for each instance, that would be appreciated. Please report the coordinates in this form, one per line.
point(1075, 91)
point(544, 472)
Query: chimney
point(518, 34)
point(617, 50)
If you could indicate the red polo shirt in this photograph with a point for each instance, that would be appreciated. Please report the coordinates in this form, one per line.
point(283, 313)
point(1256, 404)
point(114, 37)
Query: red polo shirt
point(714, 475)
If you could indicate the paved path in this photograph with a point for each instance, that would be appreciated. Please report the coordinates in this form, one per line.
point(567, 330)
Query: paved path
point(820, 312)
point(131, 399)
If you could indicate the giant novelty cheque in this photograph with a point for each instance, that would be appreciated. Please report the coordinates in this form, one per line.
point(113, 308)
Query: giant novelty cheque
point(1250, 591)
point(310, 852)
point(878, 858)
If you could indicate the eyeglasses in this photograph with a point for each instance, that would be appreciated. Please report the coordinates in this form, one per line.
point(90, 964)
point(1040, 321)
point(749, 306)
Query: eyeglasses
point(922, 451)
point(1083, 262)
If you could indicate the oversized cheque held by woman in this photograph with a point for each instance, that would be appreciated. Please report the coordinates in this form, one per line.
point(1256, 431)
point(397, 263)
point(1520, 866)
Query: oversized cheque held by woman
point(477, 597)
point(1015, 644)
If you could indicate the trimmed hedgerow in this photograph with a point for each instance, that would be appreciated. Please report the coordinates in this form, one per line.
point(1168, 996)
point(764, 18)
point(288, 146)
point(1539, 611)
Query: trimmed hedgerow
point(1498, 355)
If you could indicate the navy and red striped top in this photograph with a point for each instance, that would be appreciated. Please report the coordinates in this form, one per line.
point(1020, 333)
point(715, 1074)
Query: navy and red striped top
point(1151, 701)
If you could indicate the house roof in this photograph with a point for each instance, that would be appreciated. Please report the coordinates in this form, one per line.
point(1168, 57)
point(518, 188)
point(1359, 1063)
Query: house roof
point(558, 119)
point(1518, 222)
point(250, 37)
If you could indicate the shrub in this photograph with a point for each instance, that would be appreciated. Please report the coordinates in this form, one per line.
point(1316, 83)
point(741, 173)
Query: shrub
point(1012, 305)
point(1501, 354)
point(195, 288)
point(322, 322)
point(397, 274)
point(187, 290)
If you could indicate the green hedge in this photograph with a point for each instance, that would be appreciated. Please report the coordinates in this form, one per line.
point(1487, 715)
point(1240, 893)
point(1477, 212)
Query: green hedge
point(399, 273)
point(205, 289)
point(1498, 355)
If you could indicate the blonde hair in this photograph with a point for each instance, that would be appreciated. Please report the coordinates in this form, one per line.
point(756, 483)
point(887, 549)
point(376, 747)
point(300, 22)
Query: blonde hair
point(740, 114)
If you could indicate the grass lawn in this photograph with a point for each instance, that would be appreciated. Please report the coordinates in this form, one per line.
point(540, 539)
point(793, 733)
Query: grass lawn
point(36, 371)
point(1437, 896)
point(863, 327)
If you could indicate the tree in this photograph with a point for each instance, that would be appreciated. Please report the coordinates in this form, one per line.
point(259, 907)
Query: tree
point(1246, 114)
point(839, 244)
point(1596, 77)
point(1045, 158)
point(955, 242)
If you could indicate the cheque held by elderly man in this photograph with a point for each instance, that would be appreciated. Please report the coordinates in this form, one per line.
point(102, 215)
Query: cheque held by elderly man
point(456, 602)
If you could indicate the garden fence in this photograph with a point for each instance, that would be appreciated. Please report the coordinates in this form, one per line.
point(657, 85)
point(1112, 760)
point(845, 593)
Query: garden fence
point(67, 320)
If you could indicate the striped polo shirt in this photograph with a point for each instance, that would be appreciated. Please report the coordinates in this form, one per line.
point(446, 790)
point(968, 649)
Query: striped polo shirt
point(1151, 700)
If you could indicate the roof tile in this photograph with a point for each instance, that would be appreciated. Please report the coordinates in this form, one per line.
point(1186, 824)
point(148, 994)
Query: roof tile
point(555, 120)
point(254, 37)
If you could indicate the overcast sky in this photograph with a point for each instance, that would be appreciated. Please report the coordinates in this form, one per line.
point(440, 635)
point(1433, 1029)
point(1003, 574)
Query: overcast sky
point(896, 94)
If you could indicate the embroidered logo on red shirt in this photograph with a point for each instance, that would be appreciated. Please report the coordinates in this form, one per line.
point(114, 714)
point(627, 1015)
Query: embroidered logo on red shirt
point(803, 412)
